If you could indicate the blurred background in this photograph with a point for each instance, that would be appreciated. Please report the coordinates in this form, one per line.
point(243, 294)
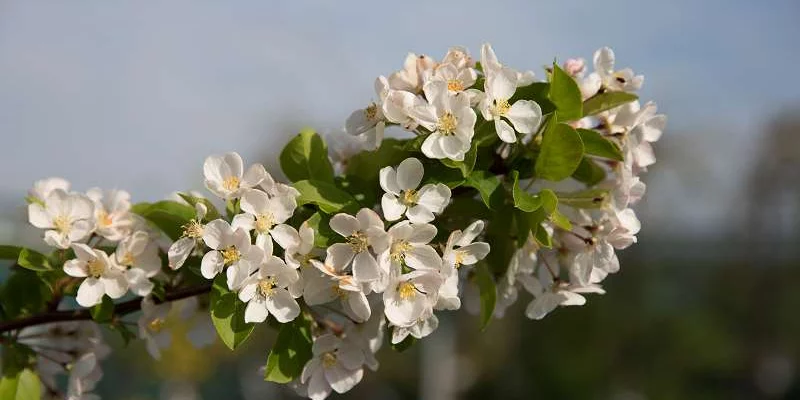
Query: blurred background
point(135, 95)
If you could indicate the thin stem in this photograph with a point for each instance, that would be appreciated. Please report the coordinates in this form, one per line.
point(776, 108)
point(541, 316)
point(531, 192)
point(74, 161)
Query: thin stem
point(83, 314)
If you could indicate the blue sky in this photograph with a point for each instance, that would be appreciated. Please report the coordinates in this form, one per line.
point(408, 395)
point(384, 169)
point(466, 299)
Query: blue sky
point(135, 94)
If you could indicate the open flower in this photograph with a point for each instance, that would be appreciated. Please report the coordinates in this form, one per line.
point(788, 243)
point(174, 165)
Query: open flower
point(460, 250)
point(190, 240)
point(68, 218)
point(329, 284)
point(226, 178)
point(403, 197)
point(42, 188)
point(422, 328)
point(500, 85)
point(452, 128)
point(151, 326)
point(297, 245)
point(337, 365)
point(263, 212)
point(266, 292)
point(363, 231)
point(112, 214)
point(622, 80)
point(229, 248)
point(102, 275)
point(409, 296)
point(408, 245)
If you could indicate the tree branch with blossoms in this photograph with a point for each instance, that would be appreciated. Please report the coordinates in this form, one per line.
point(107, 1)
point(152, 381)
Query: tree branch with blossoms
point(506, 182)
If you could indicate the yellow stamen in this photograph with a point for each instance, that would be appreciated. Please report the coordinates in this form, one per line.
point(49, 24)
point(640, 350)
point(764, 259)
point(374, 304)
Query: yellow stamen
point(103, 219)
point(407, 290)
point(61, 223)
point(399, 249)
point(455, 85)
point(95, 268)
point(358, 242)
point(156, 325)
point(447, 124)
point(193, 229)
point(459, 258)
point(231, 255)
point(266, 287)
point(264, 222)
point(128, 259)
point(409, 197)
point(500, 107)
point(339, 292)
point(371, 112)
point(328, 360)
point(231, 183)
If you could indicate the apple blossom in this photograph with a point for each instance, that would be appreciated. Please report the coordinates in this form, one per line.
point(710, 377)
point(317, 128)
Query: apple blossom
point(226, 177)
point(403, 197)
point(67, 217)
point(102, 276)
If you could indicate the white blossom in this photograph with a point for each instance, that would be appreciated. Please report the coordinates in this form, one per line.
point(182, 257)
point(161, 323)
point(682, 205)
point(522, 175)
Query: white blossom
point(263, 212)
point(112, 214)
point(42, 188)
point(337, 365)
point(410, 296)
point(229, 248)
point(225, 175)
point(191, 238)
point(67, 217)
point(363, 231)
point(151, 326)
point(266, 292)
point(103, 276)
point(403, 197)
point(452, 126)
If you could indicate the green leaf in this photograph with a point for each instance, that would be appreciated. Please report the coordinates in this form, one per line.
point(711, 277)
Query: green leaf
point(590, 198)
point(227, 314)
point(589, 172)
point(169, 216)
point(33, 260)
point(489, 186)
point(212, 212)
point(606, 101)
point(542, 237)
point(24, 293)
point(306, 157)
point(488, 293)
point(523, 200)
point(550, 205)
point(566, 95)
point(329, 198)
point(497, 233)
point(291, 351)
point(324, 236)
point(25, 385)
point(104, 311)
point(561, 152)
point(595, 144)
point(467, 164)
point(405, 344)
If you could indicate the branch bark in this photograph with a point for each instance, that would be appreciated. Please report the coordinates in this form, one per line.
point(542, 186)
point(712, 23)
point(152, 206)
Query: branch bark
point(120, 309)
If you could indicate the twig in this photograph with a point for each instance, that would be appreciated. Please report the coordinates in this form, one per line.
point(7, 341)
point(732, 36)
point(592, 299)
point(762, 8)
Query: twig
point(120, 309)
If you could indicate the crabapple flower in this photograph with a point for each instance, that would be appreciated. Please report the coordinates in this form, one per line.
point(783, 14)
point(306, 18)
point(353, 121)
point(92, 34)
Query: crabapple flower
point(556, 294)
point(369, 123)
point(229, 248)
point(112, 215)
point(226, 178)
point(410, 78)
point(403, 197)
point(42, 188)
point(623, 80)
point(263, 212)
point(67, 218)
point(139, 256)
point(500, 85)
point(151, 326)
point(103, 276)
point(363, 231)
point(452, 128)
point(266, 292)
point(409, 296)
point(405, 108)
point(408, 244)
point(190, 240)
point(297, 244)
point(337, 365)
point(460, 249)
point(328, 285)
point(83, 377)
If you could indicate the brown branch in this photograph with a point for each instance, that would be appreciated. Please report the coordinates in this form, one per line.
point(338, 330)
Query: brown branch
point(120, 309)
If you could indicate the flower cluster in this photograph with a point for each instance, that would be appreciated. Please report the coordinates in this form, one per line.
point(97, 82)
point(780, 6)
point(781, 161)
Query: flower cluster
point(508, 183)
